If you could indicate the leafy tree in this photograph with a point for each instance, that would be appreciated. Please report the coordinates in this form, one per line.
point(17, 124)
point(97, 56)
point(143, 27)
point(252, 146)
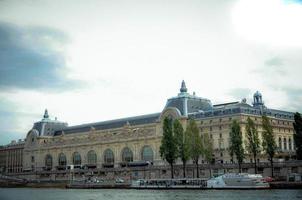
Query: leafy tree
point(235, 145)
point(182, 142)
point(208, 150)
point(298, 135)
point(253, 142)
point(168, 148)
point(268, 143)
point(196, 147)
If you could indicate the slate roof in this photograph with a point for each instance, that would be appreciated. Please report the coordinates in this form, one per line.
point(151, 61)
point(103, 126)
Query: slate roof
point(138, 120)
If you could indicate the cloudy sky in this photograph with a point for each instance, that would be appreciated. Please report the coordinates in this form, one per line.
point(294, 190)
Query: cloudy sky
point(88, 61)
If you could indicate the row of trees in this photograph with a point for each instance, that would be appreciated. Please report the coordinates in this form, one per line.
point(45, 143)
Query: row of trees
point(190, 144)
point(253, 145)
point(184, 144)
point(268, 146)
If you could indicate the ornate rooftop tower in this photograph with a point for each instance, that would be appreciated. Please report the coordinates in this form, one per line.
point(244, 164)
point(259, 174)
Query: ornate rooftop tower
point(258, 100)
point(46, 116)
point(183, 87)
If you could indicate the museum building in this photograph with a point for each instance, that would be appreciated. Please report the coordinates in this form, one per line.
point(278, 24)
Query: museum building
point(135, 141)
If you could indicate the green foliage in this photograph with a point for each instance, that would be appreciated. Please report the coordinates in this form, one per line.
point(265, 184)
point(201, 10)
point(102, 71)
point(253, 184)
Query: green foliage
point(235, 146)
point(196, 147)
point(182, 143)
point(195, 142)
point(208, 148)
point(168, 148)
point(253, 142)
point(298, 135)
point(268, 142)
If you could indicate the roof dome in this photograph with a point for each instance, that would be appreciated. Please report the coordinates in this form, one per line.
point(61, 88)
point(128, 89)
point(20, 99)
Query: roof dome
point(187, 103)
point(257, 93)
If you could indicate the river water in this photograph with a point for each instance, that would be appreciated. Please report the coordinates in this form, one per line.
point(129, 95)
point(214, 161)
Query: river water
point(116, 194)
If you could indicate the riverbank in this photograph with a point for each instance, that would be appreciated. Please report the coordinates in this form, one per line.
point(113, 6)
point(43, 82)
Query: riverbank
point(65, 184)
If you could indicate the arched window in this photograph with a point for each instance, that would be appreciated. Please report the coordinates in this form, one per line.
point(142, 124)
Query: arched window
point(127, 155)
point(280, 143)
point(48, 161)
point(290, 144)
point(62, 159)
point(285, 144)
point(91, 155)
point(147, 153)
point(108, 156)
point(76, 158)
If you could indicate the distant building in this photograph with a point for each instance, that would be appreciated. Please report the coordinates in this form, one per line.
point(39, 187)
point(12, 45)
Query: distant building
point(11, 157)
point(133, 141)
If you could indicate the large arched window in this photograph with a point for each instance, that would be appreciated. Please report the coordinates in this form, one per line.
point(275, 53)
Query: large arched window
point(285, 144)
point(48, 161)
point(127, 155)
point(108, 156)
point(76, 158)
point(290, 144)
point(62, 159)
point(91, 157)
point(280, 143)
point(147, 153)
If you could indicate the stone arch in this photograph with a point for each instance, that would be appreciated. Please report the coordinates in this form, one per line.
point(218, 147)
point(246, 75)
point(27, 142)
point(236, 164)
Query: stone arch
point(91, 157)
point(76, 158)
point(170, 111)
point(147, 153)
point(127, 155)
point(108, 156)
point(62, 161)
point(48, 162)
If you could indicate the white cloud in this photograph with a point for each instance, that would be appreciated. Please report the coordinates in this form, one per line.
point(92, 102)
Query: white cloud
point(134, 55)
point(271, 22)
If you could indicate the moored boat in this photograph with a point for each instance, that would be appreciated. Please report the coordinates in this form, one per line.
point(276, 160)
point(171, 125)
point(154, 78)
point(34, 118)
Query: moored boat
point(238, 181)
point(184, 183)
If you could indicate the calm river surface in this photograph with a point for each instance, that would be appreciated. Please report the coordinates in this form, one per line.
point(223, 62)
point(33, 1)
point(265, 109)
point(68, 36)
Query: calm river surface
point(82, 194)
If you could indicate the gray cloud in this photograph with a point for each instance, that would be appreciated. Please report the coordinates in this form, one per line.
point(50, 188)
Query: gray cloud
point(10, 117)
point(275, 61)
point(30, 58)
point(294, 96)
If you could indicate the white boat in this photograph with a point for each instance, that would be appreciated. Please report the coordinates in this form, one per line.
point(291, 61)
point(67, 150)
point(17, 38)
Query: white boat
point(183, 183)
point(238, 181)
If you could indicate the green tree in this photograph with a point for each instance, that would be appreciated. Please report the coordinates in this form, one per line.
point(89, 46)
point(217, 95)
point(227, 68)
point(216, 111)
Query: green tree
point(208, 150)
point(168, 148)
point(182, 142)
point(235, 145)
point(298, 135)
point(253, 142)
point(195, 142)
point(268, 142)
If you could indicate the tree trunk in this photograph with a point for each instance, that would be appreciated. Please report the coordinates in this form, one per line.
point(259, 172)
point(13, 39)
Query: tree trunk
point(239, 167)
point(272, 167)
point(184, 169)
point(210, 171)
point(197, 169)
point(255, 165)
point(172, 171)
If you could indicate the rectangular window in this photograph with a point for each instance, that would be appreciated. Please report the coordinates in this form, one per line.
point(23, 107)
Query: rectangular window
point(32, 159)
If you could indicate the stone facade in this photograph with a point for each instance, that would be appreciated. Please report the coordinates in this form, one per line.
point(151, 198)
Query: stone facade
point(11, 157)
point(134, 142)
